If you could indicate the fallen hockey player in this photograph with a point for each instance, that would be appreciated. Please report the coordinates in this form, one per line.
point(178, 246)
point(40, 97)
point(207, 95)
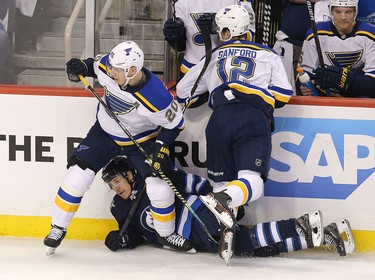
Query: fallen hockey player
point(264, 239)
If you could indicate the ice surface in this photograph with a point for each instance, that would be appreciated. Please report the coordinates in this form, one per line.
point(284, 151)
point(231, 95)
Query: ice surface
point(24, 258)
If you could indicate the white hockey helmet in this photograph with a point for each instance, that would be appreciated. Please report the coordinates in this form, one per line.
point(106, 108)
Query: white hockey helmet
point(236, 18)
point(344, 3)
point(126, 55)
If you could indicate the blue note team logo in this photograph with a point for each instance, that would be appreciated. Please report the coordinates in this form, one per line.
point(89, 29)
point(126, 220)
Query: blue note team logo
point(320, 158)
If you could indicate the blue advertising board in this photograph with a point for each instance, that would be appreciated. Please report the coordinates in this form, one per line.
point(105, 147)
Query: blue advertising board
point(366, 11)
point(320, 158)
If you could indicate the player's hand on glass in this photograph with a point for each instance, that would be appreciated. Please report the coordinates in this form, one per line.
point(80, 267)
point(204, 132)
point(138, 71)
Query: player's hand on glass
point(114, 242)
point(75, 67)
point(159, 157)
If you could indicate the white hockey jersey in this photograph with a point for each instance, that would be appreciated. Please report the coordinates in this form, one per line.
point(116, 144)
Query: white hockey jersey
point(356, 50)
point(143, 110)
point(254, 70)
point(190, 11)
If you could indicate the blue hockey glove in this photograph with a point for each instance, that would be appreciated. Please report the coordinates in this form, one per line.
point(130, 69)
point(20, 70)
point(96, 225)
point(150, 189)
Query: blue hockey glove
point(114, 242)
point(75, 67)
point(333, 77)
point(159, 157)
point(206, 20)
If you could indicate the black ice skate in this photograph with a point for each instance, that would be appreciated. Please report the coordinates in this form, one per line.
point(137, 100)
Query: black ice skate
point(176, 242)
point(218, 205)
point(226, 244)
point(309, 226)
point(54, 238)
point(332, 238)
point(339, 236)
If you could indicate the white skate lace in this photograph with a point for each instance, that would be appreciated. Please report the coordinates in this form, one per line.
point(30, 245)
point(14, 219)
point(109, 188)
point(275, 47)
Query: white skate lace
point(176, 240)
point(55, 233)
point(301, 229)
point(330, 240)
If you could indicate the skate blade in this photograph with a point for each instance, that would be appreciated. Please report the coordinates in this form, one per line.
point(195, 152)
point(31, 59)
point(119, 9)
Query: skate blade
point(50, 251)
point(316, 222)
point(347, 236)
point(227, 254)
point(224, 217)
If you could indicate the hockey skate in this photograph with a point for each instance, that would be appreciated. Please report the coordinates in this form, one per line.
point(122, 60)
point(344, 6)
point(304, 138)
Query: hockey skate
point(177, 243)
point(218, 205)
point(310, 227)
point(339, 236)
point(54, 238)
point(226, 244)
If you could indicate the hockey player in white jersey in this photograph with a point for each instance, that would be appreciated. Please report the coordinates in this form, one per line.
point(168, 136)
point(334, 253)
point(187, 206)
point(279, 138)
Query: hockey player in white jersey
point(182, 31)
point(151, 115)
point(348, 52)
point(246, 82)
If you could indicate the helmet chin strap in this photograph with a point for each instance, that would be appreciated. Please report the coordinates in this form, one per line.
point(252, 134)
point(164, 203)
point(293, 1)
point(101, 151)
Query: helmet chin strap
point(248, 37)
point(127, 79)
point(133, 193)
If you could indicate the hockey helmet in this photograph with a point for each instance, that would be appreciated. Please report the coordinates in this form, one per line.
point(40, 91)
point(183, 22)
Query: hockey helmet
point(237, 19)
point(119, 165)
point(126, 55)
point(344, 3)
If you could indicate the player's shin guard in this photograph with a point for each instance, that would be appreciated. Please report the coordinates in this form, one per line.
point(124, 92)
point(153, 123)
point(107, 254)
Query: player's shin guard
point(68, 198)
point(162, 205)
point(248, 187)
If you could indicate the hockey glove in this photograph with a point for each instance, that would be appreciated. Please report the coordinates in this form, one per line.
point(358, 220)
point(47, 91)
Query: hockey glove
point(333, 77)
point(159, 157)
point(206, 20)
point(114, 242)
point(75, 67)
point(175, 33)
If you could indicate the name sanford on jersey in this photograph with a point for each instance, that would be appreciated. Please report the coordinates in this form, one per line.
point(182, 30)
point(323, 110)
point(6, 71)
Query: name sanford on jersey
point(237, 52)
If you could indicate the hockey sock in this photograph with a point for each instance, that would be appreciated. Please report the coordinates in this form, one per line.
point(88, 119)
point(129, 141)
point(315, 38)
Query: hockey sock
point(248, 187)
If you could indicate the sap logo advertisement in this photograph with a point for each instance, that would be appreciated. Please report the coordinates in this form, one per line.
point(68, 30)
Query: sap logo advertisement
point(320, 158)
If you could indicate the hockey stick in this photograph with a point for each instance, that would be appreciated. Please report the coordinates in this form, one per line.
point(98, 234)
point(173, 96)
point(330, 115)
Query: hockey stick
point(132, 211)
point(208, 48)
point(315, 32)
point(160, 173)
point(175, 41)
point(316, 38)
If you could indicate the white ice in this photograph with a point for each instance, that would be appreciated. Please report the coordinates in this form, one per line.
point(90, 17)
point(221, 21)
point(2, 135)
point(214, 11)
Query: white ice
point(24, 258)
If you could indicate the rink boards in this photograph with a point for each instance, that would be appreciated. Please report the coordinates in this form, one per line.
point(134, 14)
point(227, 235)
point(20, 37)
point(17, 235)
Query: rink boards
point(323, 158)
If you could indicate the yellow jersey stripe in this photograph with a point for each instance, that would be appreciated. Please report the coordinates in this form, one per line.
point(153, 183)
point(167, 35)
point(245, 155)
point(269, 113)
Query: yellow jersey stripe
point(247, 90)
point(145, 102)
